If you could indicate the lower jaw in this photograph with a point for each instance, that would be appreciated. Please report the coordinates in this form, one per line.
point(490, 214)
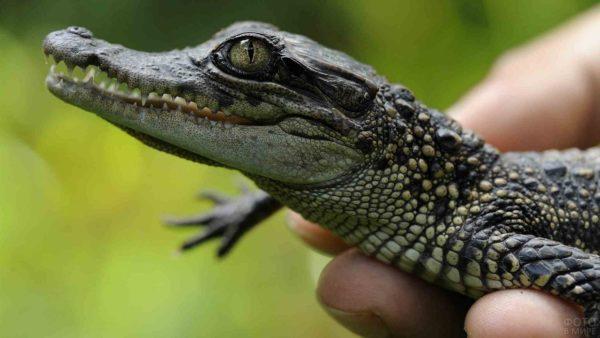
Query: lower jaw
point(180, 132)
point(125, 108)
point(169, 148)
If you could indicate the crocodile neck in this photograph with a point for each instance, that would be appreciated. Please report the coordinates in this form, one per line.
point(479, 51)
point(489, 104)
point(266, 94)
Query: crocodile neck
point(422, 166)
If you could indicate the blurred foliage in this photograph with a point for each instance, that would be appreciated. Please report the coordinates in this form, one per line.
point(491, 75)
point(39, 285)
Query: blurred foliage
point(82, 252)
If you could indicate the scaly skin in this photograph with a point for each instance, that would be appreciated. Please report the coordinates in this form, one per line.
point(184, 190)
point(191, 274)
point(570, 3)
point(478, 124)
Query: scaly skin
point(329, 138)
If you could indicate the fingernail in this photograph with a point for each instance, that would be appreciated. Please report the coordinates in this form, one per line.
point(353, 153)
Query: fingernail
point(294, 223)
point(291, 218)
point(365, 324)
point(452, 112)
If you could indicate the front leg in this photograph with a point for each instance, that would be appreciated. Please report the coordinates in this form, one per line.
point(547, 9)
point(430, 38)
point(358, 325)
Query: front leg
point(229, 219)
point(508, 260)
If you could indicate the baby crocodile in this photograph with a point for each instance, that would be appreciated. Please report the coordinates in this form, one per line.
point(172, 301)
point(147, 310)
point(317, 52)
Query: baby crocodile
point(326, 136)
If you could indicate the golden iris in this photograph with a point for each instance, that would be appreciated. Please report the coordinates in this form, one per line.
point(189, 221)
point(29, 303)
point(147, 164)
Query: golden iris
point(250, 55)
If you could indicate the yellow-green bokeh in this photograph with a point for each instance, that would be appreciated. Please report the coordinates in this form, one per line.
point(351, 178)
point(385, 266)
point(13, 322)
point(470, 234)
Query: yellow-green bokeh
point(82, 249)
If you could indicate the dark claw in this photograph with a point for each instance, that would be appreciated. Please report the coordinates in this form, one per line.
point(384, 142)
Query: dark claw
point(230, 237)
point(213, 196)
point(201, 238)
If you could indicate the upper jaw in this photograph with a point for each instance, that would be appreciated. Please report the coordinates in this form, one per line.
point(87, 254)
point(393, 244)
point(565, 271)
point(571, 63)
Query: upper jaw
point(164, 72)
point(185, 78)
point(166, 79)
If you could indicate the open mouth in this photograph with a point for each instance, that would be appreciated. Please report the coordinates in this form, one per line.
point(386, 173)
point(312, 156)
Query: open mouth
point(94, 79)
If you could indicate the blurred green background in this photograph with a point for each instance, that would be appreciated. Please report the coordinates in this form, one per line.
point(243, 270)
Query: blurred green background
point(82, 249)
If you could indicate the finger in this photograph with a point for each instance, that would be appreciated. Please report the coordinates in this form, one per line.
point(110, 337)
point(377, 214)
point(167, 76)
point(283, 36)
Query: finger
point(377, 300)
point(315, 236)
point(544, 95)
point(523, 313)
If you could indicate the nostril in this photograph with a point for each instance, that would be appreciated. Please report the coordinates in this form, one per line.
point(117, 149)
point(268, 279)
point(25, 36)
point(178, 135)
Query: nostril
point(83, 32)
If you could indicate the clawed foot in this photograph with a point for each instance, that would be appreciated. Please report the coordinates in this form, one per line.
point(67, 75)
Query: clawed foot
point(229, 219)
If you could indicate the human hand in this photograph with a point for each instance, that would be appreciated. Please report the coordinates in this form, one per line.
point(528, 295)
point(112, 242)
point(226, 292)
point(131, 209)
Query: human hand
point(544, 95)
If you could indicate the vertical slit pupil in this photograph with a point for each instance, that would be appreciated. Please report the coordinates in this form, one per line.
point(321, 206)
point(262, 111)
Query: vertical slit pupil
point(250, 50)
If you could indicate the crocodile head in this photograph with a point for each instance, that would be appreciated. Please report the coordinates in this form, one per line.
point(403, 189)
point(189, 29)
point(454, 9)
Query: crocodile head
point(253, 98)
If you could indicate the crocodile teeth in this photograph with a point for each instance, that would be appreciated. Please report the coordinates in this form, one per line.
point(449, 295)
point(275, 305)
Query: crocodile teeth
point(123, 92)
point(89, 77)
point(180, 101)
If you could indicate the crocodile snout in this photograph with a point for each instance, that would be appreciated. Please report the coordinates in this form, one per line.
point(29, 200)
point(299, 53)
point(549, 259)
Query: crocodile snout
point(75, 45)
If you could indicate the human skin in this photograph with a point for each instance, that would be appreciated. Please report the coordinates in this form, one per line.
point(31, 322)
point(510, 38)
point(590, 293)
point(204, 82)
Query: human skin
point(544, 95)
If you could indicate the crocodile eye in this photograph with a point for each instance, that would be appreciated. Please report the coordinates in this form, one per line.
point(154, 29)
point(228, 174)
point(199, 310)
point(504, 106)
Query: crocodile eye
point(250, 55)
